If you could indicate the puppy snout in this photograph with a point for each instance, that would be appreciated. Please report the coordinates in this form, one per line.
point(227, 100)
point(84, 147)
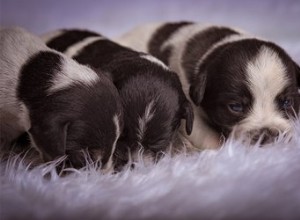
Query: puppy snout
point(264, 135)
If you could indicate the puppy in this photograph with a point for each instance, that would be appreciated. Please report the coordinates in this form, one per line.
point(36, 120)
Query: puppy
point(65, 106)
point(152, 97)
point(236, 82)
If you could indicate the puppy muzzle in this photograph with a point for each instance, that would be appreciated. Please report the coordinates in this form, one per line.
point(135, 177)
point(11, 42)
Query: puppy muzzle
point(264, 136)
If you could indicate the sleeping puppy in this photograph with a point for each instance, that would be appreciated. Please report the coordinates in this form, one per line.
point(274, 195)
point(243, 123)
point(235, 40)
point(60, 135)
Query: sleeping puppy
point(152, 97)
point(236, 82)
point(66, 107)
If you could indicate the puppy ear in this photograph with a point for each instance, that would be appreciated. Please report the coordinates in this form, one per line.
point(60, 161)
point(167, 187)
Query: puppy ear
point(297, 68)
point(197, 88)
point(50, 140)
point(188, 115)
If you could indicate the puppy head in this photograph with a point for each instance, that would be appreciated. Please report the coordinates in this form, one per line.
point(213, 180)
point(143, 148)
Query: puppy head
point(154, 105)
point(249, 86)
point(97, 126)
point(71, 108)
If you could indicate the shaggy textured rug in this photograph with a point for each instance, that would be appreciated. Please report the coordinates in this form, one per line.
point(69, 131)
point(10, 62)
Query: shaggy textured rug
point(234, 182)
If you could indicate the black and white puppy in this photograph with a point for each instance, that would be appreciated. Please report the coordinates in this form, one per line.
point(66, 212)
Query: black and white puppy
point(236, 81)
point(152, 97)
point(65, 106)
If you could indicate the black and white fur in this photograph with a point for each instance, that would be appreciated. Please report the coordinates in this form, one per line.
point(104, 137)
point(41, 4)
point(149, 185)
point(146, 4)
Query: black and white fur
point(236, 81)
point(152, 97)
point(66, 107)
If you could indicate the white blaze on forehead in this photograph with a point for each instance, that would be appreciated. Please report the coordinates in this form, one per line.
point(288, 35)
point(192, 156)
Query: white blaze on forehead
point(148, 115)
point(154, 60)
point(76, 48)
point(267, 78)
point(267, 73)
point(72, 72)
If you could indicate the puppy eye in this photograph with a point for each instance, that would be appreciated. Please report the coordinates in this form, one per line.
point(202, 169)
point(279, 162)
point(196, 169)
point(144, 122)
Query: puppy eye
point(287, 103)
point(236, 107)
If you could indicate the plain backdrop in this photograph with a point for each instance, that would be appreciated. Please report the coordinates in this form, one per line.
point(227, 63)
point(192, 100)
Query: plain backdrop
point(277, 20)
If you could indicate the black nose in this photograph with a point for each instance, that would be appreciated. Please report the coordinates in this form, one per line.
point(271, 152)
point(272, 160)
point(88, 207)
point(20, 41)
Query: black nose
point(265, 135)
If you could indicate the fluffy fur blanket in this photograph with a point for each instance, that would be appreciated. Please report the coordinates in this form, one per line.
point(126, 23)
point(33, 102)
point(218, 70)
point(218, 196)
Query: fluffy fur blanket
point(235, 182)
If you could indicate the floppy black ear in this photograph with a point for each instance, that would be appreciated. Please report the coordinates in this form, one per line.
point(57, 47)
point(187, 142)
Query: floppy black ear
point(197, 88)
point(188, 115)
point(297, 68)
point(50, 139)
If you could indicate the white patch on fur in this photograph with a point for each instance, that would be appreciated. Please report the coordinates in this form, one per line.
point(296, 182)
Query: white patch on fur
point(180, 37)
point(17, 46)
point(154, 60)
point(267, 78)
point(202, 135)
point(51, 35)
point(178, 42)
point(76, 48)
point(148, 115)
point(109, 164)
point(72, 72)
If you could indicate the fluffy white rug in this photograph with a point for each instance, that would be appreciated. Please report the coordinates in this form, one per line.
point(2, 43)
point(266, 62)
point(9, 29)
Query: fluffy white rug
point(235, 182)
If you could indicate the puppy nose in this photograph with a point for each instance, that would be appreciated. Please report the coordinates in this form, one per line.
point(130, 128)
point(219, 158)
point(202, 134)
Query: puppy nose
point(265, 135)
point(270, 132)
